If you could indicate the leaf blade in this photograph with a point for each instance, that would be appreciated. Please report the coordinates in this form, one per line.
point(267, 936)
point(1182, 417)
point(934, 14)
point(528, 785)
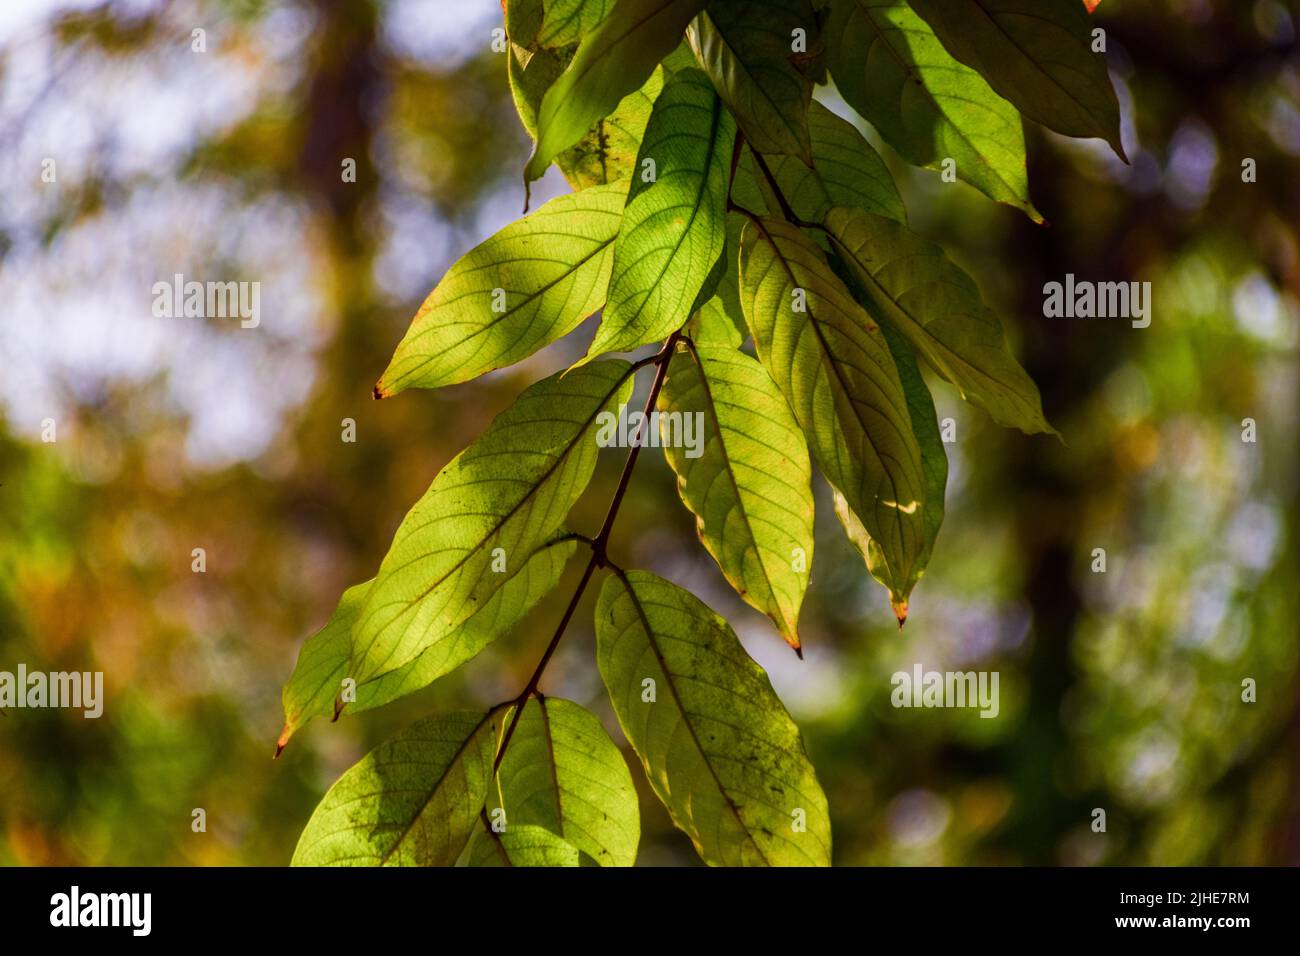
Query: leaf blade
point(524, 845)
point(837, 374)
point(674, 228)
point(511, 489)
point(846, 171)
point(745, 48)
point(750, 485)
point(528, 285)
point(934, 466)
point(313, 688)
point(606, 153)
point(563, 773)
point(892, 69)
point(1038, 55)
point(910, 283)
point(612, 61)
point(717, 745)
point(412, 801)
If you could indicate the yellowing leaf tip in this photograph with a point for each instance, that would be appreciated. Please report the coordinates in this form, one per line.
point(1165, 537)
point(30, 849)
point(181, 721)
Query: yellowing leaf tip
point(900, 611)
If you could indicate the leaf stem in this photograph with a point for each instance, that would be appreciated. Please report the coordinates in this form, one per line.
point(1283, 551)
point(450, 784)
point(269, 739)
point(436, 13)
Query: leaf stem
point(599, 557)
point(786, 209)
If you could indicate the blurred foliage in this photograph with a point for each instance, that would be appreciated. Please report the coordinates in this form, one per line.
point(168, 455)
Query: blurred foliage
point(1120, 690)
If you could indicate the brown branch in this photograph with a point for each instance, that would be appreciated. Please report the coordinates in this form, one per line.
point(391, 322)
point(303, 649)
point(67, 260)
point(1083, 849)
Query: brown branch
point(599, 557)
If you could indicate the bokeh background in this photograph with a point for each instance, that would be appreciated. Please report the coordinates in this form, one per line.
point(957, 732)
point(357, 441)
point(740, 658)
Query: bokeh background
point(1119, 690)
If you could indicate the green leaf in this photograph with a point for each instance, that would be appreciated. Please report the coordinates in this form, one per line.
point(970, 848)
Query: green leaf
point(836, 371)
point(892, 69)
point(717, 745)
point(562, 772)
point(612, 61)
point(509, 490)
point(934, 464)
point(1037, 54)
point(564, 22)
point(607, 152)
point(674, 227)
point(317, 679)
point(910, 283)
point(750, 482)
point(520, 846)
point(720, 320)
point(412, 801)
point(717, 323)
point(322, 665)
point(846, 171)
point(528, 285)
point(523, 21)
point(746, 48)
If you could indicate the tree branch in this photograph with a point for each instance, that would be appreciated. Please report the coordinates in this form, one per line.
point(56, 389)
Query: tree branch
point(599, 557)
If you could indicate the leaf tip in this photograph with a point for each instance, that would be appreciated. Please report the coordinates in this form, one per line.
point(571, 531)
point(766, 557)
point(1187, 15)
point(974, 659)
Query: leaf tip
point(285, 734)
point(528, 186)
point(900, 611)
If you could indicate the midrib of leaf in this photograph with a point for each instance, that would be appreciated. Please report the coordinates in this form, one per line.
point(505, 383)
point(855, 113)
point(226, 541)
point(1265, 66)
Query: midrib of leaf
point(496, 842)
point(839, 377)
point(545, 547)
point(731, 477)
point(722, 37)
point(915, 74)
point(941, 353)
point(552, 765)
point(686, 717)
point(434, 789)
point(1034, 62)
point(487, 536)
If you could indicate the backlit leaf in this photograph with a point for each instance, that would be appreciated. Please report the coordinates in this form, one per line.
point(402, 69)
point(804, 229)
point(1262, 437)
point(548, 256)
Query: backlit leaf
point(749, 483)
point(846, 171)
point(934, 464)
point(674, 227)
point(612, 61)
point(562, 22)
point(562, 772)
point(510, 490)
point(607, 151)
point(717, 745)
point(412, 801)
point(1037, 54)
point(835, 369)
point(746, 47)
point(720, 320)
point(315, 684)
point(892, 69)
point(525, 287)
point(910, 283)
point(520, 846)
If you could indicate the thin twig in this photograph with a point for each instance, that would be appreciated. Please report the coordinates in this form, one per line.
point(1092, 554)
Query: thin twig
point(599, 557)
